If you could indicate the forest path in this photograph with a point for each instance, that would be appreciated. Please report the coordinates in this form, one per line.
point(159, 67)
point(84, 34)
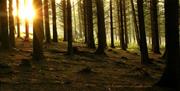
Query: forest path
point(117, 71)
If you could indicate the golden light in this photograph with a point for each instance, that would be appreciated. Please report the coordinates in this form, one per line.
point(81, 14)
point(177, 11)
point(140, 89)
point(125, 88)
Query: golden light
point(25, 13)
point(26, 10)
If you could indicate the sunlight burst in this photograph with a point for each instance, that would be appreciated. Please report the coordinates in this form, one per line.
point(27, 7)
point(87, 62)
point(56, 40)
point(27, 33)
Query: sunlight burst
point(26, 10)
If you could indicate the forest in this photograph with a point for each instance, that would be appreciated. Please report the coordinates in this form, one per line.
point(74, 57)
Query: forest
point(86, 45)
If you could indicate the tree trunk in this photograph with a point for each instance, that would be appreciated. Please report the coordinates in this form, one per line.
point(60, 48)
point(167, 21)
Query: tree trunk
point(125, 24)
point(122, 37)
point(18, 20)
point(4, 25)
point(75, 33)
point(89, 17)
point(27, 30)
point(11, 25)
point(143, 42)
point(119, 20)
point(55, 34)
point(171, 75)
point(111, 24)
point(85, 21)
point(46, 20)
point(64, 6)
point(38, 31)
point(135, 23)
point(80, 19)
point(154, 27)
point(69, 27)
point(26, 24)
point(101, 28)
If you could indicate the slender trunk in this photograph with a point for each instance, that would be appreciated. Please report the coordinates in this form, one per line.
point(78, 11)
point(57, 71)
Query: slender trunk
point(46, 19)
point(143, 42)
point(11, 24)
point(69, 28)
point(64, 6)
point(89, 17)
point(80, 19)
point(119, 19)
point(27, 30)
point(135, 23)
point(55, 34)
point(18, 19)
point(125, 24)
point(154, 27)
point(26, 25)
point(85, 20)
point(74, 18)
point(122, 37)
point(111, 24)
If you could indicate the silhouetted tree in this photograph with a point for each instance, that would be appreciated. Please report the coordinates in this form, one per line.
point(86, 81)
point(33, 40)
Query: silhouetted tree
point(46, 20)
point(4, 25)
point(125, 24)
point(89, 22)
point(135, 22)
point(143, 43)
point(122, 28)
point(101, 28)
point(171, 75)
point(64, 4)
point(27, 29)
point(55, 34)
point(69, 27)
point(26, 24)
point(18, 19)
point(154, 27)
point(85, 21)
point(38, 31)
point(111, 24)
point(11, 24)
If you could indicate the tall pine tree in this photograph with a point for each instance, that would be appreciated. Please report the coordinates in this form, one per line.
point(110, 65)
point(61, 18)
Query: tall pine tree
point(4, 25)
point(101, 28)
point(38, 31)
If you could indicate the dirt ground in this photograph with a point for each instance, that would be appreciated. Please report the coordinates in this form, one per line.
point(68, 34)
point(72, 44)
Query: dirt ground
point(118, 70)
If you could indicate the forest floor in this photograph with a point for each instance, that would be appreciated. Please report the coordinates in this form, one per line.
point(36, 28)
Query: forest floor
point(118, 70)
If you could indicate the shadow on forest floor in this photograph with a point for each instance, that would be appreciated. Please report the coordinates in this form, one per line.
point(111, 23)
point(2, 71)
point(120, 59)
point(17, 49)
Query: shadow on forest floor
point(117, 71)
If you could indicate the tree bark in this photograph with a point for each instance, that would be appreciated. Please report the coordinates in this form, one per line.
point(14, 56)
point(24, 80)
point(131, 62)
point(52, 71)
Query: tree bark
point(4, 25)
point(125, 25)
point(101, 28)
point(122, 37)
point(111, 24)
point(69, 28)
point(80, 16)
point(143, 42)
point(18, 19)
point(64, 6)
point(135, 23)
point(11, 25)
point(170, 78)
point(75, 33)
point(26, 24)
point(38, 31)
point(46, 20)
point(154, 27)
point(55, 34)
point(89, 17)
point(85, 21)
